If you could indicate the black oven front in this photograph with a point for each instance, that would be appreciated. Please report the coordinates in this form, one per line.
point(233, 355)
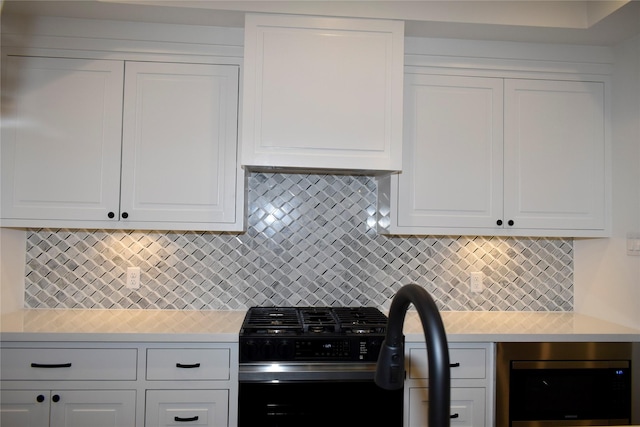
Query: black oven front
point(555, 384)
point(315, 395)
point(313, 367)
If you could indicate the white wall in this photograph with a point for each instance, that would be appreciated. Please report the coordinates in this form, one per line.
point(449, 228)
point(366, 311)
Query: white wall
point(606, 279)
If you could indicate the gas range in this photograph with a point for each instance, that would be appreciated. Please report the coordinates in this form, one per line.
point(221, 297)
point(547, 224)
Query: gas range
point(313, 366)
point(312, 334)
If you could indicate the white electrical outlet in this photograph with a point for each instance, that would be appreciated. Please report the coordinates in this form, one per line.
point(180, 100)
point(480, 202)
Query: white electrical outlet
point(476, 282)
point(633, 244)
point(133, 277)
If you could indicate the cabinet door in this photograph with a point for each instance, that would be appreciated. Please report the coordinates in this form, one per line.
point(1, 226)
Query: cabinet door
point(452, 154)
point(179, 157)
point(322, 92)
point(187, 407)
point(19, 408)
point(555, 154)
point(83, 408)
point(61, 138)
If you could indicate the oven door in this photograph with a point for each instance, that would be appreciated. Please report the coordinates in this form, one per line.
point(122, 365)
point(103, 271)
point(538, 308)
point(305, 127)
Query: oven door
point(315, 395)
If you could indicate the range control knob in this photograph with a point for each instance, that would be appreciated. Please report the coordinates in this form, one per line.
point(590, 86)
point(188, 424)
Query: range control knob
point(268, 350)
point(250, 350)
point(285, 350)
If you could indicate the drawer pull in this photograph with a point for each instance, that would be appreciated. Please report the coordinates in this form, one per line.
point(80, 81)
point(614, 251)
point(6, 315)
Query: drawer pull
point(56, 398)
point(51, 365)
point(455, 365)
point(454, 416)
point(40, 398)
point(193, 365)
point(185, 420)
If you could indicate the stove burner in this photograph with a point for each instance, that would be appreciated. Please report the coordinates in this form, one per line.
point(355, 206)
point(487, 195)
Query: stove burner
point(314, 320)
point(271, 320)
point(310, 334)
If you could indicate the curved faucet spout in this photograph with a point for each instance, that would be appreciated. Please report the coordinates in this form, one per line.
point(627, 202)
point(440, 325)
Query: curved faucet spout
point(390, 366)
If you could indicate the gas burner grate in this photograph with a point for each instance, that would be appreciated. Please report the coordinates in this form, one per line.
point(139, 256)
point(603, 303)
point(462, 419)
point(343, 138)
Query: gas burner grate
point(361, 320)
point(319, 320)
point(313, 321)
point(271, 320)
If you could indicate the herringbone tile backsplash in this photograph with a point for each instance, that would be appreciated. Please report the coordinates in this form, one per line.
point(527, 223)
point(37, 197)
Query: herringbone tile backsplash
point(311, 240)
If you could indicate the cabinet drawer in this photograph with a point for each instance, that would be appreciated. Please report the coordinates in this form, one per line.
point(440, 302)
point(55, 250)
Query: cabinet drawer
point(68, 364)
point(187, 407)
point(188, 364)
point(467, 407)
point(466, 363)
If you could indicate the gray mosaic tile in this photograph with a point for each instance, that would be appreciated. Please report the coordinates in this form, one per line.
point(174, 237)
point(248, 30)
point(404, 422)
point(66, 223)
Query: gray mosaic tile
point(311, 240)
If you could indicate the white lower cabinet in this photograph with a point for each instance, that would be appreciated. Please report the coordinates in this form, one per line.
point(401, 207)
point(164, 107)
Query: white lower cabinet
point(191, 385)
point(68, 408)
point(187, 407)
point(471, 385)
point(112, 384)
point(55, 386)
point(467, 406)
point(24, 408)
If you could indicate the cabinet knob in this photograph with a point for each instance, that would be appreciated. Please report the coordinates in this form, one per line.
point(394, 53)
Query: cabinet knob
point(40, 398)
point(56, 398)
point(499, 222)
point(111, 215)
point(510, 222)
point(125, 215)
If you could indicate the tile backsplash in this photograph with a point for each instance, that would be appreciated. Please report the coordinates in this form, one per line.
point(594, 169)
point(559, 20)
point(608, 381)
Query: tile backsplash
point(311, 240)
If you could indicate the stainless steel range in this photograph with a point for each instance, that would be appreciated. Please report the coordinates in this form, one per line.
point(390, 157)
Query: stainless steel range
point(313, 366)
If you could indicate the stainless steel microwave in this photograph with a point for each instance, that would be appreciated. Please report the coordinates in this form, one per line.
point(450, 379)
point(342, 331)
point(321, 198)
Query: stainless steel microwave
point(555, 384)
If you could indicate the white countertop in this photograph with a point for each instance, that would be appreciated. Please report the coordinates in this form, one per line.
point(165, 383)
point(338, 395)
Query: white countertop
point(503, 326)
point(121, 325)
point(223, 326)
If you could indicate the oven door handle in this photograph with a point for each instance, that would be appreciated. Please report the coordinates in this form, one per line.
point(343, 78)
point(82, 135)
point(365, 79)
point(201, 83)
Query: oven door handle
point(300, 371)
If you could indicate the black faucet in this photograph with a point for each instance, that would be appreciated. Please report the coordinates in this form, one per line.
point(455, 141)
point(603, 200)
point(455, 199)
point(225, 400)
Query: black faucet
point(390, 366)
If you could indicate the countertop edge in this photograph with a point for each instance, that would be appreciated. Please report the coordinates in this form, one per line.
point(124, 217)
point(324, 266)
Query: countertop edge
point(469, 338)
point(224, 326)
point(128, 337)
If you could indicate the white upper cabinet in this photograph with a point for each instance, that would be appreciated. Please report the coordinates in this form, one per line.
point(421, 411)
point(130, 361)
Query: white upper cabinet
point(61, 138)
point(77, 154)
point(495, 156)
point(180, 143)
point(322, 92)
point(555, 155)
point(452, 174)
